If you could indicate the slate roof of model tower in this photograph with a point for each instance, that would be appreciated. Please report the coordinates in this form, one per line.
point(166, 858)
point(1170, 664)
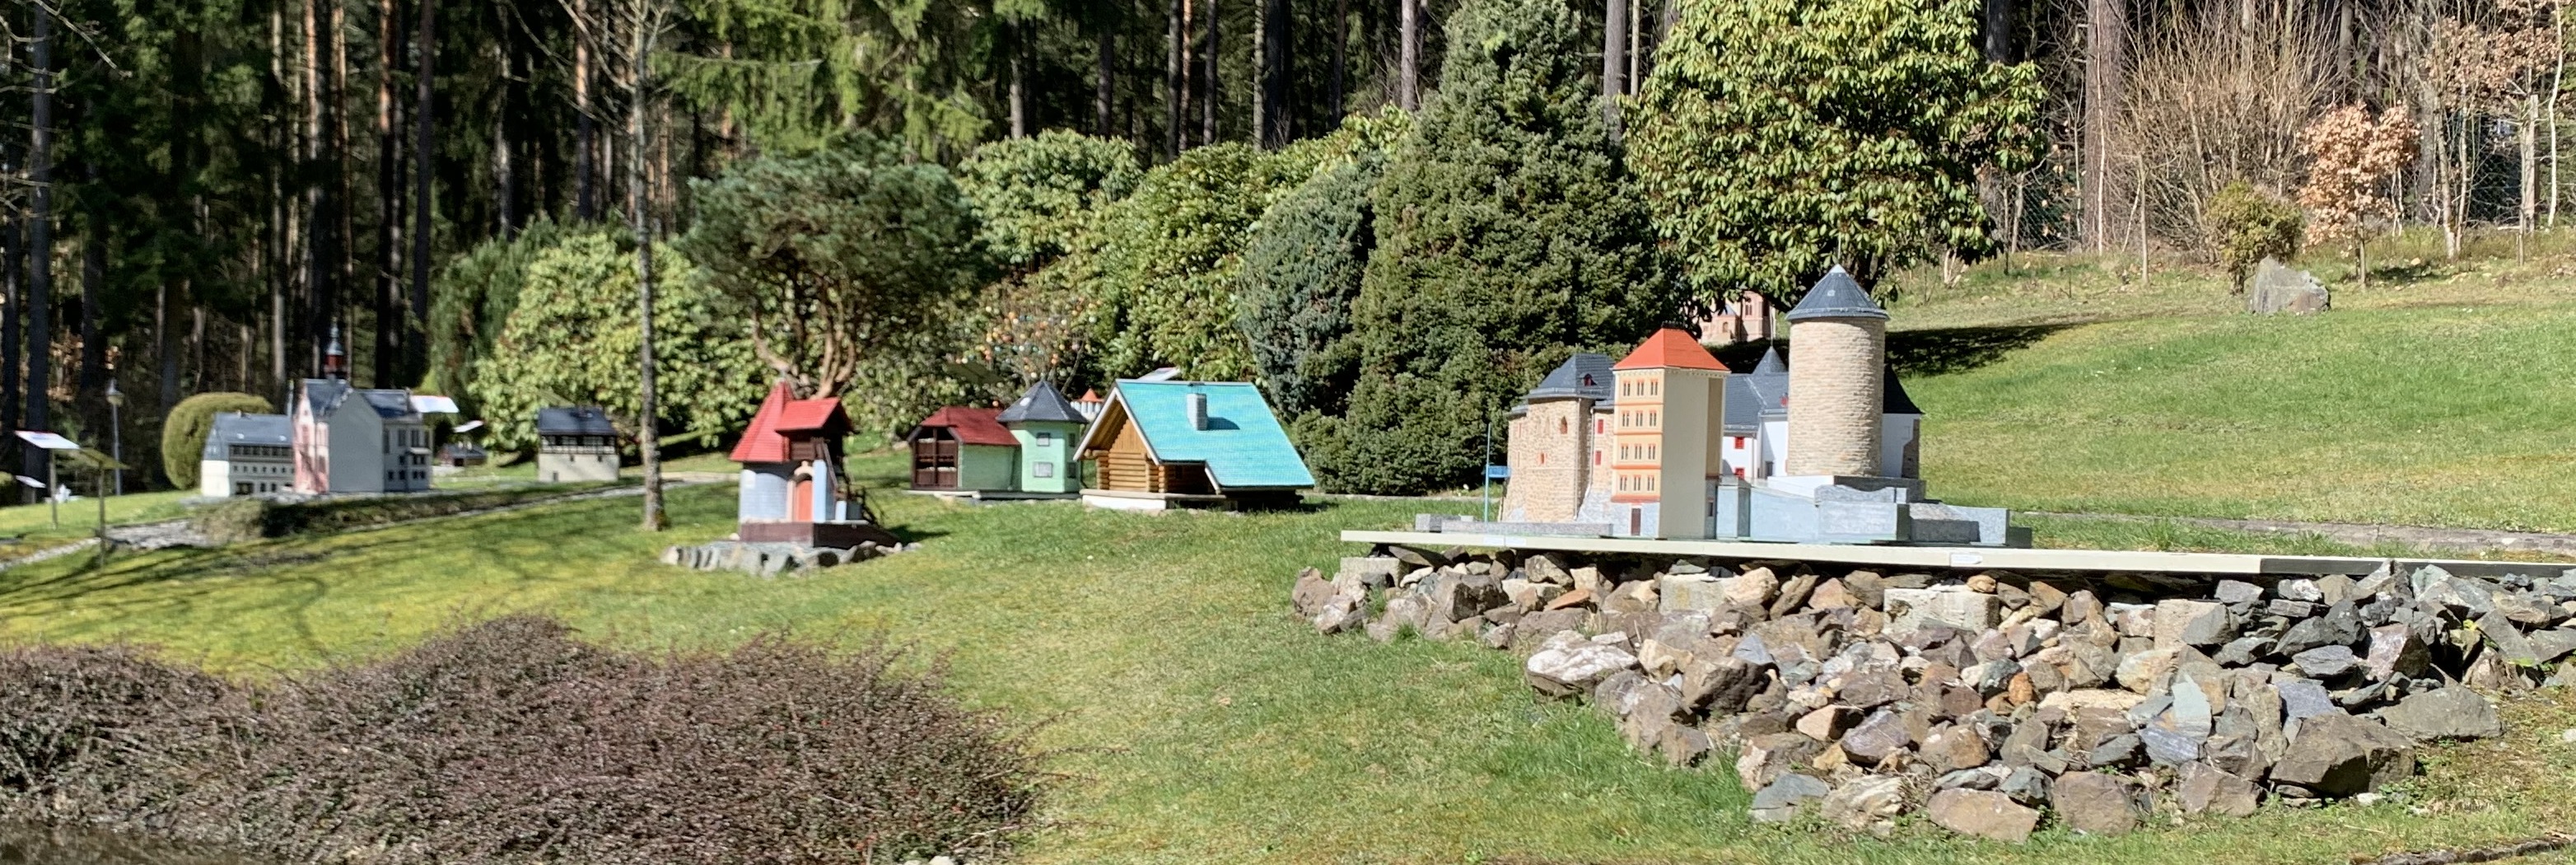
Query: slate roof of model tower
point(1042, 402)
point(1583, 376)
point(324, 396)
point(1838, 295)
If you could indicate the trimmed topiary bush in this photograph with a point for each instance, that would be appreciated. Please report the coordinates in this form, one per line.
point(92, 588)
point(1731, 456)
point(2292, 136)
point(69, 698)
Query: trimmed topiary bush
point(183, 436)
point(2245, 225)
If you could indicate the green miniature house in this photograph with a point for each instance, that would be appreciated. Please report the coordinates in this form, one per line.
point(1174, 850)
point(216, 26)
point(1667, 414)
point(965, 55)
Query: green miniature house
point(964, 449)
point(1047, 427)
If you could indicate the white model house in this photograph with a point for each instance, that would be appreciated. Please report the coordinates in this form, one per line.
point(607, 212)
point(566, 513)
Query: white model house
point(247, 454)
point(358, 440)
point(575, 443)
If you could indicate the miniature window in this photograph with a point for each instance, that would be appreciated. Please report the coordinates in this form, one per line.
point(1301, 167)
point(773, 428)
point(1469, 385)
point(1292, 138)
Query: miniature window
point(1043, 470)
point(1045, 438)
point(1542, 459)
point(1560, 426)
point(1601, 426)
point(1651, 450)
point(1596, 458)
point(1654, 418)
point(1655, 388)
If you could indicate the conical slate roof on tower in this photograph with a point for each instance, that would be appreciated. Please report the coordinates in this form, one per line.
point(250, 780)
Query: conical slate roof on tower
point(1837, 295)
point(1771, 363)
point(1042, 403)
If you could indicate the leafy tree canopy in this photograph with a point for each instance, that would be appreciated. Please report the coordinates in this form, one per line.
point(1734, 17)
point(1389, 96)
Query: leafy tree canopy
point(1777, 138)
point(471, 300)
point(573, 337)
point(1508, 230)
point(1168, 256)
point(1035, 197)
point(845, 262)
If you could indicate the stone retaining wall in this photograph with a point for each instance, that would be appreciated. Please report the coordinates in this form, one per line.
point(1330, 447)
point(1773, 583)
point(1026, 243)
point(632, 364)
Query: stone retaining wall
point(770, 559)
point(1984, 699)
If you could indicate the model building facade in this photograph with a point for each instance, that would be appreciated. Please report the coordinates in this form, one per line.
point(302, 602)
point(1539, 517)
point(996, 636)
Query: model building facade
point(1821, 447)
point(354, 439)
point(1023, 450)
point(247, 454)
point(793, 488)
point(575, 443)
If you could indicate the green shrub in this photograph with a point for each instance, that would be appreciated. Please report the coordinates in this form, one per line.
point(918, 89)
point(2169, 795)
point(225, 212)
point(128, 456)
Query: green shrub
point(183, 436)
point(2246, 224)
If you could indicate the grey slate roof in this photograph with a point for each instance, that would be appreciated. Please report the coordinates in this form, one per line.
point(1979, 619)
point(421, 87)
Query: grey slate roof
point(1763, 394)
point(323, 395)
point(1896, 401)
point(574, 421)
point(1771, 363)
point(232, 428)
point(1837, 295)
point(1585, 376)
point(1042, 403)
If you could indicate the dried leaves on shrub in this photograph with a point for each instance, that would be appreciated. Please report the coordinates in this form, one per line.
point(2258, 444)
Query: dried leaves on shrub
point(511, 742)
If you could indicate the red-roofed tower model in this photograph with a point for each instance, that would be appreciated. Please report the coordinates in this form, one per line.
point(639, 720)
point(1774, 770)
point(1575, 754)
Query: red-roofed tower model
point(1671, 398)
point(793, 487)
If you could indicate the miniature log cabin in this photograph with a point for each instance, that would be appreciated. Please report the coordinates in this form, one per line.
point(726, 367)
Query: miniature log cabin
point(1165, 444)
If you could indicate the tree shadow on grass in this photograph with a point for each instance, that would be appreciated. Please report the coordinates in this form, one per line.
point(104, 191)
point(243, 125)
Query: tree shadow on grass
point(1922, 352)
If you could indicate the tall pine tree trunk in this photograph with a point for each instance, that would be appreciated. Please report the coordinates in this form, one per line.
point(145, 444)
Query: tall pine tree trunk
point(1215, 94)
point(1998, 31)
point(583, 207)
point(422, 206)
point(1614, 61)
point(1272, 114)
point(648, 441)
point(1104, 91)
point(1408, 81)
point(40, 238)
point(1176, 79)
point(1016, 43)
point(2105, 72)
point(1333, 99)
point(93, 348)
point(388, 199)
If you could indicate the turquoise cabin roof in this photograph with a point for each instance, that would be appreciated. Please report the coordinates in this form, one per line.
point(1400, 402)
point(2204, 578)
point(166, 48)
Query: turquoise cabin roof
point(1243, 447)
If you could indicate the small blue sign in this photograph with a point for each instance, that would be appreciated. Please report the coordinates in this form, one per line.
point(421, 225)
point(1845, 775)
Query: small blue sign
point(1497, 473)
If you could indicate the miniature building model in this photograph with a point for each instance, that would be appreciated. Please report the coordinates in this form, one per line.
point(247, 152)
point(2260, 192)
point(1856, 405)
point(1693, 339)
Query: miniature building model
point(964, 449)
point(247, 454)
point(1747, 318)
point(1046, 425)
point(1089, 405)
point(793, 489)
point(356, 440)
point(1169, 443)
point(1682, 449)
point(575, 443)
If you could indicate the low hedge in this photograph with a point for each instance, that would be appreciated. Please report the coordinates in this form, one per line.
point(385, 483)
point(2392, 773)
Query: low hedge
point(511, 742)
point(250, 518)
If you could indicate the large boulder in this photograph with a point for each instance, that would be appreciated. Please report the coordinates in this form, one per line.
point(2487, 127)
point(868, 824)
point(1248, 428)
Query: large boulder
point(2279, 288)
point(2191, 623)
point(2340, 755)
point(1983, 814)
point(2205, 789)
point(2454, 712)
point(1568, 664)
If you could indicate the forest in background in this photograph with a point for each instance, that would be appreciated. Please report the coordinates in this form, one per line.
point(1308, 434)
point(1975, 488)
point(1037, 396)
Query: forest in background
point(1392, 213)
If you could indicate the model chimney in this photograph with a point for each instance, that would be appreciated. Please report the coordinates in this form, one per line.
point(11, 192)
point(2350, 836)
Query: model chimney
point(1198, 410)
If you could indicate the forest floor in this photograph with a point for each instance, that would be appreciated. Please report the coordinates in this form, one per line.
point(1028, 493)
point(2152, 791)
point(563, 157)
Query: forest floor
point(1196, 721)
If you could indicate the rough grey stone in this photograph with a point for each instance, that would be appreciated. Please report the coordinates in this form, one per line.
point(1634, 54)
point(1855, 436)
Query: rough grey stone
point(2242, 651)
point(2289, 609)
point(2094, 803)
point(2298, 590)
point(2508, 639)
point(2207, 789)
point(2339, 625)
point(1911, 610)
point(1982, 814)
point(1866, 800)
point(2340, 755)
point(2452, 712)
point(2238, 592)
point(2191, 623)
point(2325, 662)
point(1881, 734)
point(1567, 664)
point(2278, 288)
point(1781, 800)
point(1767, 758)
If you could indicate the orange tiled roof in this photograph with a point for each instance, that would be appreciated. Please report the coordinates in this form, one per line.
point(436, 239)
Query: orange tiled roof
point(1670, 347)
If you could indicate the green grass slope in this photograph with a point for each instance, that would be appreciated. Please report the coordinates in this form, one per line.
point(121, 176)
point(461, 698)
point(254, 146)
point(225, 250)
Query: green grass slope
point(1194, 719)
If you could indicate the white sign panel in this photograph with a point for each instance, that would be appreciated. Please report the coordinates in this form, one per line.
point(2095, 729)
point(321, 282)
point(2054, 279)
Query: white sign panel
point(48, 441)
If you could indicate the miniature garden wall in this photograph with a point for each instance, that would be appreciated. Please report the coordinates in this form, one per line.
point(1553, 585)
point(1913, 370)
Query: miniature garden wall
point(1985, 700)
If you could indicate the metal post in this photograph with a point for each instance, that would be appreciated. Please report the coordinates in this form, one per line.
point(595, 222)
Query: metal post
point(115, 439)
point(102, 519)
point(53, 469)
point(1488, 468)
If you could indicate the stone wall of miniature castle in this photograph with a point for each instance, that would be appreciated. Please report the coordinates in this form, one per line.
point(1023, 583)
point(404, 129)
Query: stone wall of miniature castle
point(1989, 701)
point(1836, 382)
point(1549, 489)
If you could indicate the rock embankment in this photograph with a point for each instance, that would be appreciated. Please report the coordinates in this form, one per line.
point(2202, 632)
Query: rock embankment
point(1986, 700)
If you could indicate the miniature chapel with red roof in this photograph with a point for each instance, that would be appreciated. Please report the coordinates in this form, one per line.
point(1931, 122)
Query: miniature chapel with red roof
point(793, 487)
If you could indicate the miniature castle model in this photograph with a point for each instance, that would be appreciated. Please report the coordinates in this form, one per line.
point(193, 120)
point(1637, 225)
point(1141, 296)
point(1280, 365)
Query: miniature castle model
point(1665, 443)
point(1022, 451)
point(575, 443)
point(1165, 443)
point(247, 454)
point(356, 440)
point(793, 490)
point(1747, 318)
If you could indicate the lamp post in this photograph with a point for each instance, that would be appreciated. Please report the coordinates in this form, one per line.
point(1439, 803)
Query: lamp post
point(115, 434)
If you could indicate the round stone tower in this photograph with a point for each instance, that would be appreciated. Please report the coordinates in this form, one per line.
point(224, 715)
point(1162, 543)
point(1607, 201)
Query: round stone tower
point(1837, 366)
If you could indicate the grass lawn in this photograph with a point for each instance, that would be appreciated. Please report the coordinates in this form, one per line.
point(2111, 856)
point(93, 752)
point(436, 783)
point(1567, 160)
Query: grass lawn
point(1196, 721)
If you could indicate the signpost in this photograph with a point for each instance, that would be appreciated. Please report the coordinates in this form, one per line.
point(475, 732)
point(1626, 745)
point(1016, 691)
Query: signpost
point(54, 445)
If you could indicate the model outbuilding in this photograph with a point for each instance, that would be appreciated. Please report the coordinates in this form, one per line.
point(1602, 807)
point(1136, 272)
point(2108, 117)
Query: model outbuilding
point(575, 443)
point(963, 449)
point(247, 454)
point(1046, 426)
point(793, 489)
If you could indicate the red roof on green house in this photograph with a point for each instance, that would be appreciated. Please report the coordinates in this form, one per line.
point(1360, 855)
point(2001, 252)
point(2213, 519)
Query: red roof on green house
point(974, 426)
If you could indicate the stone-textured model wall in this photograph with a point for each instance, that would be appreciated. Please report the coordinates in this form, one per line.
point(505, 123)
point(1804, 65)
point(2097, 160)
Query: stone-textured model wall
point(1550, 456)
point(1983, 700)
point(1837, 386)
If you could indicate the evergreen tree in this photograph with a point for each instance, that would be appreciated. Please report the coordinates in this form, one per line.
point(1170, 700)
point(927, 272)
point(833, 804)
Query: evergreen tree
point(1778, 138)
point(1300, 277)
point(1508, 231)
